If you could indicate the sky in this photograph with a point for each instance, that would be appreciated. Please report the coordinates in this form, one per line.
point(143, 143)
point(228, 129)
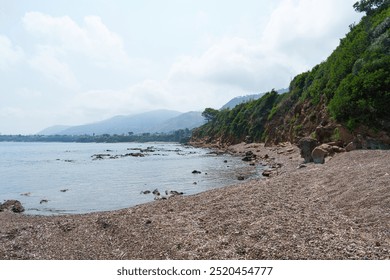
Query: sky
point(79, 61)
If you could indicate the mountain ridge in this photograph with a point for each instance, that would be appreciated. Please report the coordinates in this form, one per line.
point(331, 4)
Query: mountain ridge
point(157, 121)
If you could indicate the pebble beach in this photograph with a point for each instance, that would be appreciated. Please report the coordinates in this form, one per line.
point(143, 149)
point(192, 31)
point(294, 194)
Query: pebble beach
point(336, 210)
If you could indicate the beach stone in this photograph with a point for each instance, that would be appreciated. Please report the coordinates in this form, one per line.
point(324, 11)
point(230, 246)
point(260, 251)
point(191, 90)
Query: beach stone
point(307, 145)
point(267, 173)
point(12, 205)
point(318, 155)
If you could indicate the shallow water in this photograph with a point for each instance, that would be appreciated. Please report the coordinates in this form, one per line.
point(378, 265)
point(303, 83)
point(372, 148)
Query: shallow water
point(72, 180)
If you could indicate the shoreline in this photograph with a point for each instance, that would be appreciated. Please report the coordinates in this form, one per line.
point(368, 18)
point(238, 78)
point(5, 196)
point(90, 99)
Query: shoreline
point(338, 210)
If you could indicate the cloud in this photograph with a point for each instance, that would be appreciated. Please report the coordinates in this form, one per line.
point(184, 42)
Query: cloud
point(299, 34)
point(306, 31)
point(93, 40)
point(47, 63)
point(9, 54)
point(235, 62)
point(144, 96)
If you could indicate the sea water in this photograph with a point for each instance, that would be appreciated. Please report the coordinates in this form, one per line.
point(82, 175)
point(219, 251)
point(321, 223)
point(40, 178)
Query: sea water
point(63, 178)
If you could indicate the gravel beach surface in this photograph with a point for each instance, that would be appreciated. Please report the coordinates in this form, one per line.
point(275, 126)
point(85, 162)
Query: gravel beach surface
point(336, 210)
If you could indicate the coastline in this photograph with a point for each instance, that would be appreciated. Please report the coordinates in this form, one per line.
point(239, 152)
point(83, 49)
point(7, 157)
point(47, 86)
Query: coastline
point(336, 210)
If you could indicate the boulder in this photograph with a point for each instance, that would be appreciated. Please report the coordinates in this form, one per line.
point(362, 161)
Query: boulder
point(12, 205)
point(318, 155)
point(307, 145)
point(350, 147)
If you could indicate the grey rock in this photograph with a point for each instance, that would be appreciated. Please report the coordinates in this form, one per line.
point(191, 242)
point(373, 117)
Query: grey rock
point(307, 145)
point(318, 155)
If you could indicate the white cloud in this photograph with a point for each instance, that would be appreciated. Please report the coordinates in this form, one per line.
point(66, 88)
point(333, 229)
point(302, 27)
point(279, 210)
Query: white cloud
point(306, 31)
point(299, 34)
point(47, 63)
point(141, 97)
point(9, 54)
point(235, 62)
point(93, 40)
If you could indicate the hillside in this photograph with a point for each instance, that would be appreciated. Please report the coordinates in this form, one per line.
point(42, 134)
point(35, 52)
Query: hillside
point(343, 98)
point(188, 120)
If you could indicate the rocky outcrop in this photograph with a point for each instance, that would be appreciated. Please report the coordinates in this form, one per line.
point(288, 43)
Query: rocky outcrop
point(12, 205)
point(324, 133)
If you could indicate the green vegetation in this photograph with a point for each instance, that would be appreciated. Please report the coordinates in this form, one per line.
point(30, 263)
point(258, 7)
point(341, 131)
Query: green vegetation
point(351, 88)
point(244, 119)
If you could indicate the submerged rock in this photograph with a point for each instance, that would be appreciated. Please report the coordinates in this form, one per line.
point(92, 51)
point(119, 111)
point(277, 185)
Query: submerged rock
point(145, 192)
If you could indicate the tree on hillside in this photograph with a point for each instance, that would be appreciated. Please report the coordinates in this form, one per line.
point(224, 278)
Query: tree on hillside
point(369, 6)
point(210, 114)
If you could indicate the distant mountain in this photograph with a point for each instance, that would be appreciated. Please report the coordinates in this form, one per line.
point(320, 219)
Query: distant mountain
point(52, 130)
point(188, 120)
point(149, 122)
point(242, 99)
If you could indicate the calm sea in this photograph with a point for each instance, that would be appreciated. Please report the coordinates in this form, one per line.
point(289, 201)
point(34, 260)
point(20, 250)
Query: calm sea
point(72, 180)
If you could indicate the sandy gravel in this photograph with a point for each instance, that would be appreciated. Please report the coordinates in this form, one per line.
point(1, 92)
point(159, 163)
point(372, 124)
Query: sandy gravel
point(338, 210)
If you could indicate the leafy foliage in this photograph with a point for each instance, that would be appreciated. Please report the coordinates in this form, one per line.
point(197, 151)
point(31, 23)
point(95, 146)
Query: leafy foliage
point(369, 6)
point(209, 114)
point(246, 119)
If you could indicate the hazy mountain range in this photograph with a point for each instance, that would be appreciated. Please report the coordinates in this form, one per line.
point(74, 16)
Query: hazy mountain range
point(159, 121)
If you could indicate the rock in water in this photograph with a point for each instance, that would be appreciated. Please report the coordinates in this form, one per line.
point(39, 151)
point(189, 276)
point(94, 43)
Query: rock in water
point(12, 205)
